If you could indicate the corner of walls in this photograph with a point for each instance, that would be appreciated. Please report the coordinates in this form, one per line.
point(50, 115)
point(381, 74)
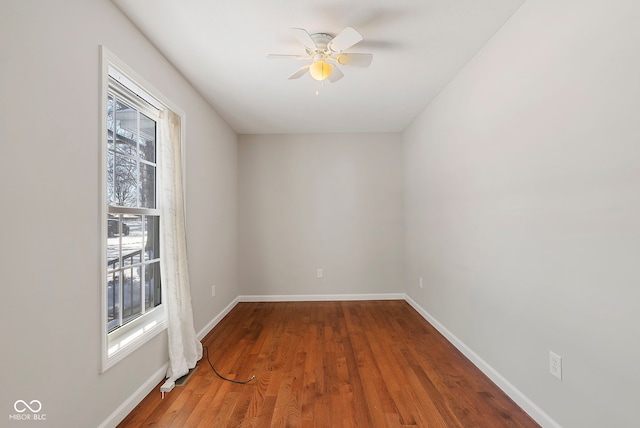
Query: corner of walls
point(215, 320)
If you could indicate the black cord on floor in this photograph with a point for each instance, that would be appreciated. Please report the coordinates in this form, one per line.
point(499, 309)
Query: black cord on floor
point(206, 351)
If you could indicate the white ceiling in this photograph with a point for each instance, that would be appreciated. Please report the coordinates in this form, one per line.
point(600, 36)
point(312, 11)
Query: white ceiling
point(221, 47)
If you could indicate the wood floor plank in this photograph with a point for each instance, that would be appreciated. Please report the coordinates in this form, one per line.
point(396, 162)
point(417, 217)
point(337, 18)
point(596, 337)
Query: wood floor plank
point(331, 364)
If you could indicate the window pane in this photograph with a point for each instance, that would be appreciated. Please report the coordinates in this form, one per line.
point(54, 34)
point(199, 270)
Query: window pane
point(147, 186)
point(131, 293)
point(113, 299)
point(124, 190)
point(126, 146)
point(147, 138)
point(110, 122)
point(131, 239)
point(110, 171)
point(126, 129)
point(152, 237)
point(113, 242)
point(152, 285)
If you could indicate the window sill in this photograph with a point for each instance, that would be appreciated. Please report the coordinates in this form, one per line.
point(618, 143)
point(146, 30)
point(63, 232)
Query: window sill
point(132, 336)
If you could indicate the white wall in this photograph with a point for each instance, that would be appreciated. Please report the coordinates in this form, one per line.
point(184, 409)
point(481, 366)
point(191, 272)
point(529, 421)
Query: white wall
point(49, 221)
point(332, 202)
point(523, 207)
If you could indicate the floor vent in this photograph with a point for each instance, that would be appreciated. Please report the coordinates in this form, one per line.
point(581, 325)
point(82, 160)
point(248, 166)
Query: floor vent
point(181, 381)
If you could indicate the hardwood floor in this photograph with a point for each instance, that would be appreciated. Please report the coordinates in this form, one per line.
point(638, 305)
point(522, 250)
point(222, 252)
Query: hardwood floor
point(331, 364)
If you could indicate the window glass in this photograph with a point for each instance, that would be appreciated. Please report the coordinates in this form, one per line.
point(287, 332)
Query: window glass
point(110, 121)
point(147, 139)
point(131, 294)
point(133, 221)
point(152, 285)
point(152, 237)
point(113, 299)
point(147, 185)
point(126, 123)
point(125, 181)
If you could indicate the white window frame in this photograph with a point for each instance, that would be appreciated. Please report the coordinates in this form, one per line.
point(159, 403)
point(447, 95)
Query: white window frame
point(126, 339)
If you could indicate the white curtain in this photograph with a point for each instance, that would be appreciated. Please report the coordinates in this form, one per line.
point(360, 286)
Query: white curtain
point(184, 348)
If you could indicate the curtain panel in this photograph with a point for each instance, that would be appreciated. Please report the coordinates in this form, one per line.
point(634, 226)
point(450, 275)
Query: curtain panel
point(184, 348)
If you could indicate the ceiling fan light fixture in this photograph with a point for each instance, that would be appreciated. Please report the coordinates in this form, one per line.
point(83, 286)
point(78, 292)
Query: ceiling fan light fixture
point(323, 47)
point(320, 70)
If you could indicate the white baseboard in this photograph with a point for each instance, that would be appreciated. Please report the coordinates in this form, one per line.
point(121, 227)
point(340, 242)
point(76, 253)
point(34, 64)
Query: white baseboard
point(134, 399)
point(320, 297)
point(514, 393)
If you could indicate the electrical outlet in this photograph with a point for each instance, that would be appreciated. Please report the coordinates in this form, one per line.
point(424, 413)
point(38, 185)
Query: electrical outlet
point(319, 273)
point(555, 365)
point(213, 291)
point(420, 282)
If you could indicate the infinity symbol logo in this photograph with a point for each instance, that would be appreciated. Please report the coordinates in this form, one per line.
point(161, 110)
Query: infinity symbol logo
point(21, 406)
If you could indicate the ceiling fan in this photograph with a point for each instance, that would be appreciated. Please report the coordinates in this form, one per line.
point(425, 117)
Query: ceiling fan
point(325, 52)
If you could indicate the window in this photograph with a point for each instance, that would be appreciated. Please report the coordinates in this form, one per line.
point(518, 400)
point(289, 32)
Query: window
point(132, 310)
point(133, 222)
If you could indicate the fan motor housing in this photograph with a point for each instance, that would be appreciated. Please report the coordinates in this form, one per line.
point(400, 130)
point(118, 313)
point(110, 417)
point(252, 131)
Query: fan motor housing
point(322, 41)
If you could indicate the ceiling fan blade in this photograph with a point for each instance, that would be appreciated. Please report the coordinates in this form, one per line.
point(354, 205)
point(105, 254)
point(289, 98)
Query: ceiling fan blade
point(300, 72)
point(347, 38)
point(303, 37)
point(355, 59)
point(335, 75)
point(285, 56)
